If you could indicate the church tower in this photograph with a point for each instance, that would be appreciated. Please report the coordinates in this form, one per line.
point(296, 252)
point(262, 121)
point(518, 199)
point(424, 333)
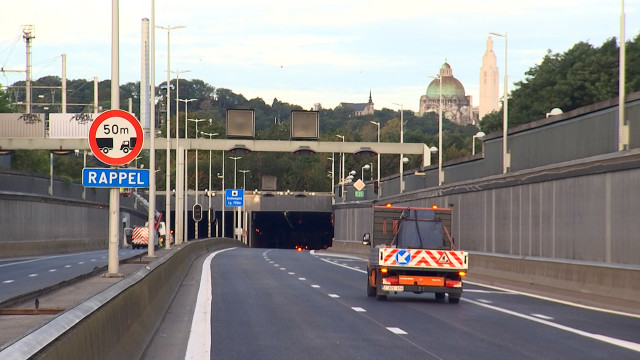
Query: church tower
point(488, 81)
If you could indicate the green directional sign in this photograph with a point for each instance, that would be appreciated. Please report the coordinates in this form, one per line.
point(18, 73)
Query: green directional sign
point(359, 194)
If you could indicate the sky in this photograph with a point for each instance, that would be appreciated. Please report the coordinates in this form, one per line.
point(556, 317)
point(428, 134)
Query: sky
point(303, 52)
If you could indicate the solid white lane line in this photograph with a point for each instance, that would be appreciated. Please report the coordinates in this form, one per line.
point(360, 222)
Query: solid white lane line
point(618, 342)
point(358, 309)
point(553, 300)
point(199, 345)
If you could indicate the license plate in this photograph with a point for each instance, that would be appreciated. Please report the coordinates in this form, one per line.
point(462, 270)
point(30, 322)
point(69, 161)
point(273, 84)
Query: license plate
point(392, 288)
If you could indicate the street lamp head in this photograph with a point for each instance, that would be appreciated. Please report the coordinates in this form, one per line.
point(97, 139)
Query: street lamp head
point(433, 149)
point(405, 160)
point(479, 134)
point(352, 172)
point(374, 123)
point(341, 137)
point(498, 34)
point(366, 166)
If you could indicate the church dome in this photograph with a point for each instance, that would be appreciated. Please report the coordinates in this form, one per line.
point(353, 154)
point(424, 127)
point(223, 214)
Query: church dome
point(451, 87)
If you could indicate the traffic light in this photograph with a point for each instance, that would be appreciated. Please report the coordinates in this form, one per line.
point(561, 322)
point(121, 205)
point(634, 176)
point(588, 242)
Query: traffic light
point(365, 152)
point(197, 212)
point(239, 149)
point(304, 150)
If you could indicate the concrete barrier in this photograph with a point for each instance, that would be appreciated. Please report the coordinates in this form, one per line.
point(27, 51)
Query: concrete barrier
point(119, 322)
point(590, 278)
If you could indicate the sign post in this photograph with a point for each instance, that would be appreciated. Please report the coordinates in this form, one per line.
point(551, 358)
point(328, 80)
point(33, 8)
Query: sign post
point(115, 138)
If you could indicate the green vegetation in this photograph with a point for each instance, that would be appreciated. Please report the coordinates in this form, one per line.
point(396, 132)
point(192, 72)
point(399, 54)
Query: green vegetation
point(582, 75)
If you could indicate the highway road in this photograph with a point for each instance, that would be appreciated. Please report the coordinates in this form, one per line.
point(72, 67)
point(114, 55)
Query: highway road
point(24, 275)
point(283, 304)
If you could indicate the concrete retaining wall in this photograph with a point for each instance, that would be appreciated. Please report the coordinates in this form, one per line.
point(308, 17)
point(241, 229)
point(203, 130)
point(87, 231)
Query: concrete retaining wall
point(119, 322)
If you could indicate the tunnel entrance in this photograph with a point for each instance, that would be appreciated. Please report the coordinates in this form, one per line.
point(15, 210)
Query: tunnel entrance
point(290, 229)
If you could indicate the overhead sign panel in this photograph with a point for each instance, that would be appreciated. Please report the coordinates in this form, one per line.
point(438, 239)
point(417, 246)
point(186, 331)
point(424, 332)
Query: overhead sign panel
point(68, 125)
point(241, 123)
point(14, 125)
point(304, 125)
point(234, 197)
point(115, 178)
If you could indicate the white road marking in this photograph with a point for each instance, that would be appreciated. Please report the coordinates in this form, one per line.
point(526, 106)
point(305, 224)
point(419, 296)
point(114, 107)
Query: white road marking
point(569, 303)
point(8, 281)
point(199, 345)
point(358, 309)
point(344, 266)
point(283, 268)
point(485, 301)
point(302, 279)
point(67, 266)
point(610, 340)
point(52, 270)
point(33, 275)
point(315, 286)
point(334, 295)
point(291, 273)
point(397, 331)
point(545, 317)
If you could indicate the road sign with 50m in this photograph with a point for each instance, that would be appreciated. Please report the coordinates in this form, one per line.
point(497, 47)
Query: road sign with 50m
point(115, 137)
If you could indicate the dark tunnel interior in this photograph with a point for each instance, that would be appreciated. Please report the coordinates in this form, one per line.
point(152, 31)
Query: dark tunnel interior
point(291, 229)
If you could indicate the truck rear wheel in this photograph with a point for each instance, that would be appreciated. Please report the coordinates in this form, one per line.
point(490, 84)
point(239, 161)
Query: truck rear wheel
point(371, 290)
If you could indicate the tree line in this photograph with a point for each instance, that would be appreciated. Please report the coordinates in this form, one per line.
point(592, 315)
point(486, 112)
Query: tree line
point(582, 75)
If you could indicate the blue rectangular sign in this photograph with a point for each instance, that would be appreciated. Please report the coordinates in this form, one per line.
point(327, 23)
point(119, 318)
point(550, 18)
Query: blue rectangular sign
point(115, 178)
point(234, 197)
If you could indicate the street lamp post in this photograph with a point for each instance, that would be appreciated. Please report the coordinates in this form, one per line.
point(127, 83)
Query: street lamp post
point(478, 135)
point(342, 180)
point(183, 172)
point(235, 213)
point(506, 157)
point(401, 141)
point(168, 170)
point(365, 167)
point(440, 173)
point(378, 178)
point(210, 135)
point(196, 201)
point(244, 178)
point(333, 192)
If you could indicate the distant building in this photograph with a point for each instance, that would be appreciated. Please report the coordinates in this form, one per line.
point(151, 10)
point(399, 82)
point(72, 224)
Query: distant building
point(456, 106)
point(488, 82)
point(360, 109)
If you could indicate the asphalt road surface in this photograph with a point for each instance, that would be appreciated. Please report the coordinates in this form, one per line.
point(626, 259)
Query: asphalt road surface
point(283, 304)
point(24, 275)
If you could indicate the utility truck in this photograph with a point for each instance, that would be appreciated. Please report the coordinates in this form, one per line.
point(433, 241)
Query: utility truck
point(412, 250)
